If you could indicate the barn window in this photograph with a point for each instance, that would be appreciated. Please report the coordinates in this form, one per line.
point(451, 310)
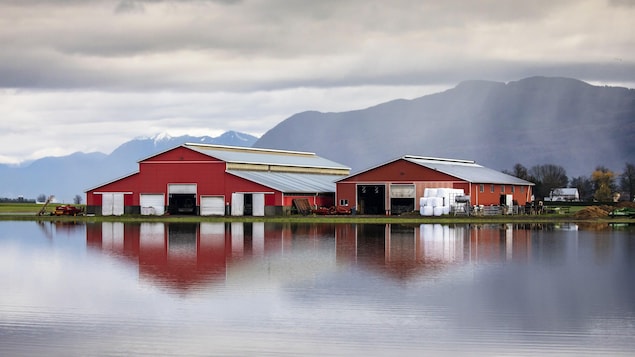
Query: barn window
point(512, 189)
point(343, 202)
point(481, 188)
point(522, 189)
point(502, 188)
point(492, 190)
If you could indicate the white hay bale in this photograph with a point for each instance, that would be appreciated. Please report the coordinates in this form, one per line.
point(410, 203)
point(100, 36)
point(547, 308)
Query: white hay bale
point(437, 211)
point(426, 210)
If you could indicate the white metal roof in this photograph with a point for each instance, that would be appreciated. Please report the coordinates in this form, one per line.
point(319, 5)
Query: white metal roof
point(288, 182)
point(246, 155)
point(466, 170)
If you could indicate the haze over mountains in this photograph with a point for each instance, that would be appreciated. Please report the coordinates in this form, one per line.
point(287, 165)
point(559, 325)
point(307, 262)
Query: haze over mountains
point(532, 121)
point(71, 175)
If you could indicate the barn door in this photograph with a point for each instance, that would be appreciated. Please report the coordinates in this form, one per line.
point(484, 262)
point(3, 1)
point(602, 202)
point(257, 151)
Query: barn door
point(212, 206)
point(238, 204)
point(258, 205)
point(117, 204)
point(106, 204)
point(112, 204)
point(152, 204)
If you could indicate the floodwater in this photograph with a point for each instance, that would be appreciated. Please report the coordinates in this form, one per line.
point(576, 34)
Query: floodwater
point(243, 289)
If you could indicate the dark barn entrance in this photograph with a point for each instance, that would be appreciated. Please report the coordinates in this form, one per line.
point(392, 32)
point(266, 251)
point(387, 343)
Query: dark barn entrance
point(182, 203)
point(371, 199)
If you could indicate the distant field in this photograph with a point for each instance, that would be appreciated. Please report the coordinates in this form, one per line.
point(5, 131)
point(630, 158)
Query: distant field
point(24, 208)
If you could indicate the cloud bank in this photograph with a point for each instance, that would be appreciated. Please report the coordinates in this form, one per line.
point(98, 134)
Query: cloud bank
point(89, 75)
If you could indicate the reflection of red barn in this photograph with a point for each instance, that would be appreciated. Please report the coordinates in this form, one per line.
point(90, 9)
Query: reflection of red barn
point(183, 257)
point(219, 180)
point(395, 187)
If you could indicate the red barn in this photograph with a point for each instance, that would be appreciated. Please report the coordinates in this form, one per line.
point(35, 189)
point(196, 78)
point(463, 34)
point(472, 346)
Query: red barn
point(395, 187)
point(218, 180)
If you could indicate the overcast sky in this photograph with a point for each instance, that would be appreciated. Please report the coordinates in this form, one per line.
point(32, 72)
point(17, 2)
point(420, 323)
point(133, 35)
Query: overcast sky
point(89, 75)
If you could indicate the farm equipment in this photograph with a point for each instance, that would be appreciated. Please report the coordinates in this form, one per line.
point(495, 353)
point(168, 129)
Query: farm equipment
point(623, 212)
point(46, 203)
point(67, 210)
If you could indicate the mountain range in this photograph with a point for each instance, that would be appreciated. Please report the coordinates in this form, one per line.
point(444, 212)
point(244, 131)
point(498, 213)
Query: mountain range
point(71, 175)
point(533, 121)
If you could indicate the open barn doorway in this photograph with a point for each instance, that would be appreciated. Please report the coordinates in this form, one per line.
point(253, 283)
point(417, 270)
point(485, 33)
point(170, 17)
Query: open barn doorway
point(182, 198)
point(182, 203)
point(371, 199)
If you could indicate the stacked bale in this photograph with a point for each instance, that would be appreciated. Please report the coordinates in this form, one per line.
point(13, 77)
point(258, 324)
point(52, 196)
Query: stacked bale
point(437, 201)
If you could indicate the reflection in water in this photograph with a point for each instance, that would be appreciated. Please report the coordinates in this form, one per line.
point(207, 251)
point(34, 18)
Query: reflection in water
point(184, 256)
point(315, 289)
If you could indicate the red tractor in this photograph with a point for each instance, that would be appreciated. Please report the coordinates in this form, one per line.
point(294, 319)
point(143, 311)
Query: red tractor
point(67, 210)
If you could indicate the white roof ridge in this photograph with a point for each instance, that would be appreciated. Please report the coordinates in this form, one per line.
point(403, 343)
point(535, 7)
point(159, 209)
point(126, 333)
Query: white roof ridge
point(438, 159)
point(246, 148)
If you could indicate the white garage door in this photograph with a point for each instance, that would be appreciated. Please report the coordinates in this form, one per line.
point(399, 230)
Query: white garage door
point(402, 191)
point(212, 206)
point(182, 188)
point(112, 204)
point(152, 204)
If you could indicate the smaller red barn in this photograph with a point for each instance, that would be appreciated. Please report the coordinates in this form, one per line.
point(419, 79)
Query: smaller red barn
point(203, 179)
point(395, 187)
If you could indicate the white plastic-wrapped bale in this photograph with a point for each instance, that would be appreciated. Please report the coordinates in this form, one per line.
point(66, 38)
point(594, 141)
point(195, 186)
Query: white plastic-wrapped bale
point(427, 210)
point(438, 211)
point(430, 192)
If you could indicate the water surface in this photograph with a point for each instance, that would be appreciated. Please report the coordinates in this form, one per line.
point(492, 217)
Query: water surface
point(280, 289)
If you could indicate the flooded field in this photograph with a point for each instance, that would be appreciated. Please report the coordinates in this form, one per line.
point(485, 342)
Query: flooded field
point(115, 289)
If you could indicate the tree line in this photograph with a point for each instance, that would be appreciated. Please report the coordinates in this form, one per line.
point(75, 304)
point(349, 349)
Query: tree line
point(603, 185)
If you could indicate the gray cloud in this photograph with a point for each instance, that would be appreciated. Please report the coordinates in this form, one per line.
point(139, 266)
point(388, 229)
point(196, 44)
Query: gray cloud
point(105, 51)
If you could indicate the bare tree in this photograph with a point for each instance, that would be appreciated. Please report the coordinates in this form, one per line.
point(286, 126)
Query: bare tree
point(584, 186)
point(627, 181)
point(77, 199)
point(547, 177)
point(519, 171)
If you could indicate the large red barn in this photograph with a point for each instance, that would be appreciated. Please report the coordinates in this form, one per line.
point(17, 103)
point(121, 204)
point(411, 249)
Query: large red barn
point(218, 180)
point(395, 187)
